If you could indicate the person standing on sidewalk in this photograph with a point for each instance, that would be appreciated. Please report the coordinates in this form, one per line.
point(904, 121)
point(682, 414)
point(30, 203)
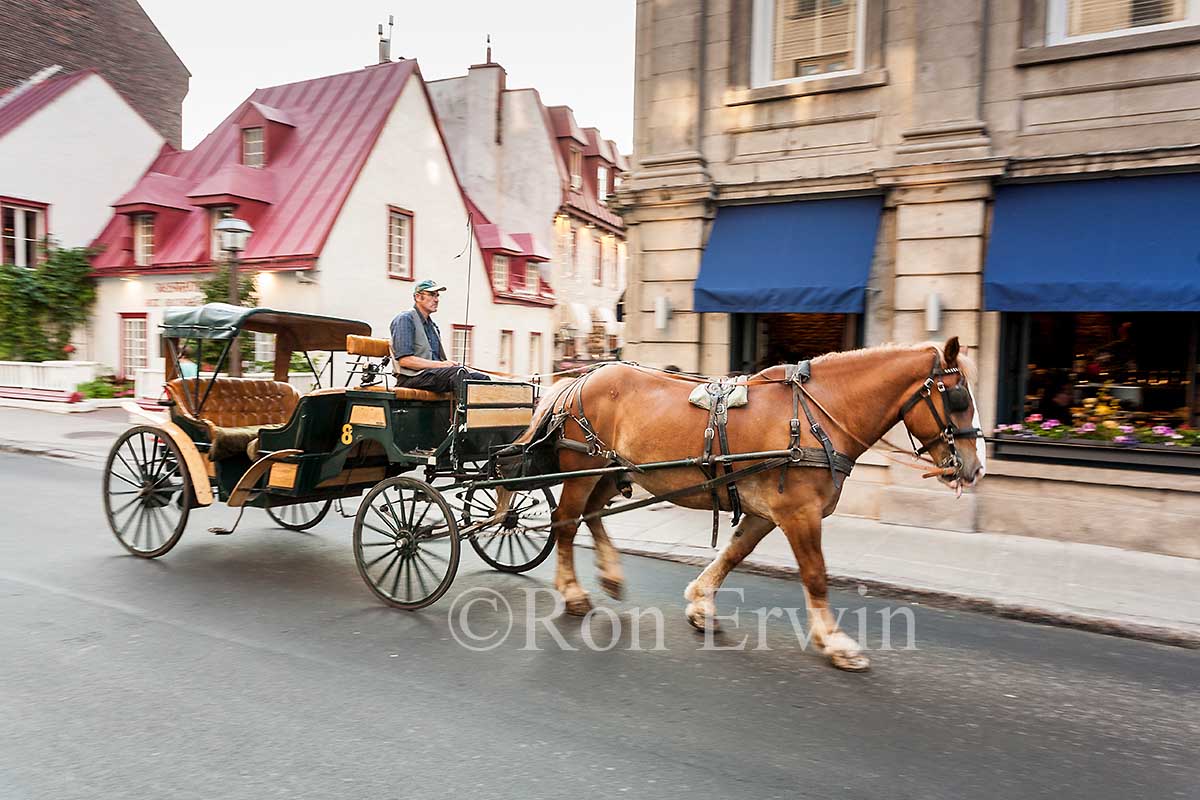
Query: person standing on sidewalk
point(418, 357)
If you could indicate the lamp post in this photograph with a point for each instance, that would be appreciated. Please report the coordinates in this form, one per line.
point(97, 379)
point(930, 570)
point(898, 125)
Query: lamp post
point(234, 235)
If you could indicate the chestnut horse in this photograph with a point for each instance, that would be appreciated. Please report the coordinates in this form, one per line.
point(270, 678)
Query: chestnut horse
point(644, 416)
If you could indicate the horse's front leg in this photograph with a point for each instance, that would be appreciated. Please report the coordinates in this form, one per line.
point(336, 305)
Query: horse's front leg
point(803, 531)
point(700, 593)
point(566, 517)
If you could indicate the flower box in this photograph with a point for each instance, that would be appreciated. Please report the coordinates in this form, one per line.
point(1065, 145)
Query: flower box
point(1092, 453)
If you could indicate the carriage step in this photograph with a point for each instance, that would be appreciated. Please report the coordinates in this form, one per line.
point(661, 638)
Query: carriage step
point(219, 531)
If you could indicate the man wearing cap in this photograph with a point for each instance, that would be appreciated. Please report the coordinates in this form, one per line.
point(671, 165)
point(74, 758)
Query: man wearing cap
point(417, 354)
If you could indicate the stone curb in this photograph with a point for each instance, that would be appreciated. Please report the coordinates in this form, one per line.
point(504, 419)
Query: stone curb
point(701, 557)
point(1041, 615)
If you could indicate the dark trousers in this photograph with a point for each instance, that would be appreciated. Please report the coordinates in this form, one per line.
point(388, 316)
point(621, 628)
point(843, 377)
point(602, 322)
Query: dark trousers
point(440, 379)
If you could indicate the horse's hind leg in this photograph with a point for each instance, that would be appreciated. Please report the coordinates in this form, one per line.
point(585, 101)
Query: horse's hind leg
point(803, 531)
point(701, 610)
point(608, 558)
point(571, 504)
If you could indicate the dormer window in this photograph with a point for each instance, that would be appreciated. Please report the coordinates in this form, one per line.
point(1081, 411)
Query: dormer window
point(143, 240)
point(253, 147)
point(215, 215)
point(576, 168)
point(500, 273)
point(602, 183)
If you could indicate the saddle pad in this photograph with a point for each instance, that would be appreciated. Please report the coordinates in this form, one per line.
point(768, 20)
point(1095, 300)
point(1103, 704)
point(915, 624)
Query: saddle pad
point(739, 395)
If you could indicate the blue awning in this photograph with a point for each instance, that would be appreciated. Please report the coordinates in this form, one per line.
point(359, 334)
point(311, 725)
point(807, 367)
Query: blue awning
point(1115, 244)
point(810, 256)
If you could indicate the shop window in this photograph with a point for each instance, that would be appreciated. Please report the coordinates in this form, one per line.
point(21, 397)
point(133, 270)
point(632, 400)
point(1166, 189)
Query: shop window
point(400, 231)
point(597, 261)
point(805, 39)
point(143, 240)
point(254, 152)
point(608, 267)
point(500, 273)
point(506, 352)
point(1125, 381)
point(461, 344)
point(1083, 20)
point(764, 340)
point(133, 343)
point(20, 230)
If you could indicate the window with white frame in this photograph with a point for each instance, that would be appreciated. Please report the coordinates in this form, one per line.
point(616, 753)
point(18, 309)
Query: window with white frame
point(597, 262)
point(264, 348)
point(214, 216)
point(576, 168)
point(506, 352)
point(1081, 20)
point(609, 268)
point(532, 283)
point(254, 153)
point(20, 230)
point(399, 244)
point(460, 345)
point(806, 39)
point(535, 353)
point(602, 183)
point(566, 247)
point(500, 273)
point(143, 240)
point(133, 344)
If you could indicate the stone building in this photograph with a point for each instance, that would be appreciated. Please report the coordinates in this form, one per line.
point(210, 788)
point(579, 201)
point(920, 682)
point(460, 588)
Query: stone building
point(531, 167)
point(113, 37)
point(821, 174)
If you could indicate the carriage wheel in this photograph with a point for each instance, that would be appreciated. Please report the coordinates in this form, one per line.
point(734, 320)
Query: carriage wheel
point(513, 543)
point(406, 543)
point(147, 495)
point(299, 516)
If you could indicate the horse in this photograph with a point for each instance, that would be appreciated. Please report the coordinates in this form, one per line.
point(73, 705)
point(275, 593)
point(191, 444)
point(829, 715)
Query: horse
point(640, 415)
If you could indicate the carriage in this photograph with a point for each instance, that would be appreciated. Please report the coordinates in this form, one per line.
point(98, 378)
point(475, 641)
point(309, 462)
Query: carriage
point(259, 443)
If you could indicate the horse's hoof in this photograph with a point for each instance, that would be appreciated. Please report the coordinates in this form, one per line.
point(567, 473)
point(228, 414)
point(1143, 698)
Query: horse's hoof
point(700, 620)
point(613, 587)
point(579, 606)
point(850, 662)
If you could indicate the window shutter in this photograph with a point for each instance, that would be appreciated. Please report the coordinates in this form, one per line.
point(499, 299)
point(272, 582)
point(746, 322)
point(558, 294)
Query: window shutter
point(813, 37)
point(1089, 17)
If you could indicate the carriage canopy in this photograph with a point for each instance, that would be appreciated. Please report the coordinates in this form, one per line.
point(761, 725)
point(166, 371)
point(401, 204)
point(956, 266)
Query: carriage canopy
point(221, 322)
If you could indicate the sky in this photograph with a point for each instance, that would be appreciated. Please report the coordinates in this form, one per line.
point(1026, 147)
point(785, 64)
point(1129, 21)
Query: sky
point(574, 53)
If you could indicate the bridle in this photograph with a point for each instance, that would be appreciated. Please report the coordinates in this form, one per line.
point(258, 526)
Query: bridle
point(955, 399)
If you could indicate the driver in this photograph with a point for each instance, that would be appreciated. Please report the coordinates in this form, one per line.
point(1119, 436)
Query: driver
point(417, 354)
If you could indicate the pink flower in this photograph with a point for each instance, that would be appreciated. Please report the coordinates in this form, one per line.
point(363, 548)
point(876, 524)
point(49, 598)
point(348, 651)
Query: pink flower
point(1123, 439)
point(1087, 427)
point(1126, 429)
point(1033, 418)
point(1050, 424)
point(1162, 430)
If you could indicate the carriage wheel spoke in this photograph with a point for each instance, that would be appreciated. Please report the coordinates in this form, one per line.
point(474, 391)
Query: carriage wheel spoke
point(420, 574)
point(393, 537)
point(390, 523)
point(388, 568)
point(375, 561)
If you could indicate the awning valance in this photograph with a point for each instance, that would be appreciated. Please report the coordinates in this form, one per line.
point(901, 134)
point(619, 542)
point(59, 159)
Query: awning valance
point(1113, 244)
point(809, 256)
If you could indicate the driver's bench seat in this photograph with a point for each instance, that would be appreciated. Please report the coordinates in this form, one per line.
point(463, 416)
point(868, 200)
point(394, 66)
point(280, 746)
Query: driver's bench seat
point(236, 410)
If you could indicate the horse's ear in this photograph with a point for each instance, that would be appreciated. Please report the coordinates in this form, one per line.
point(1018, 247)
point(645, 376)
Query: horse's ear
point(951, 351)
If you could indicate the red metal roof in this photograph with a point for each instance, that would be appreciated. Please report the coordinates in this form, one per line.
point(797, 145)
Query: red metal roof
point(157, 189)
point(337, 121)
point(564, 125)
point(18, 109)
point(238, 180)
point(531, 247)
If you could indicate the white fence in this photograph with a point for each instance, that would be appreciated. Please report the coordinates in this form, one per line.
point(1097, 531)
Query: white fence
point(61, 376)
point(148, 383)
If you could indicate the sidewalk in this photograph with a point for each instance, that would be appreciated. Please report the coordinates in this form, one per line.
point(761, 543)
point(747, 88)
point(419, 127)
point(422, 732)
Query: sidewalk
point(1080, 585)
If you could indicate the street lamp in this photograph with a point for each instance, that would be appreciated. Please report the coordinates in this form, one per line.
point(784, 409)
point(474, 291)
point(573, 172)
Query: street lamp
point(234, 235)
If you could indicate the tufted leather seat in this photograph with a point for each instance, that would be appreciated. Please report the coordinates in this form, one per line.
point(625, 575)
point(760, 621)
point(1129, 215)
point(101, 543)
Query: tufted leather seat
point(236, 409)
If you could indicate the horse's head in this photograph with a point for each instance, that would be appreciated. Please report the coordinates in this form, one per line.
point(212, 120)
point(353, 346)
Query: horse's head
point(941, 415)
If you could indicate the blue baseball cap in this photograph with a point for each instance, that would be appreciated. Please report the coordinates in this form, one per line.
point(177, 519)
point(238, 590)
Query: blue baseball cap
point(428, 285)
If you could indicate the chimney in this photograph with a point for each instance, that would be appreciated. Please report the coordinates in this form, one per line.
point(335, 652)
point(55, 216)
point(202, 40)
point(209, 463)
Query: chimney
point(385, 45)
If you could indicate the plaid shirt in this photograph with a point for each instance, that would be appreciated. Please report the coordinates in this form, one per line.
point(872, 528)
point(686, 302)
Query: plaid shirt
point(404, 330)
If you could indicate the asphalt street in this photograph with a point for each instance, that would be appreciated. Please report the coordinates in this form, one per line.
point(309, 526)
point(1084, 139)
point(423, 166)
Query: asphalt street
point(258, 665)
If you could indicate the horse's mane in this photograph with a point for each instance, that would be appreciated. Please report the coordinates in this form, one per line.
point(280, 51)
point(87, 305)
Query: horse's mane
point(965, 362)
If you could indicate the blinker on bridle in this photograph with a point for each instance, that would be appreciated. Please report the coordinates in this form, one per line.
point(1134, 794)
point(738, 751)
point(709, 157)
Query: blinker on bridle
point(955, 400)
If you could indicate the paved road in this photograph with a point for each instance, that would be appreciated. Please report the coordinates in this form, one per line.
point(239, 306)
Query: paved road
point(259, 666)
